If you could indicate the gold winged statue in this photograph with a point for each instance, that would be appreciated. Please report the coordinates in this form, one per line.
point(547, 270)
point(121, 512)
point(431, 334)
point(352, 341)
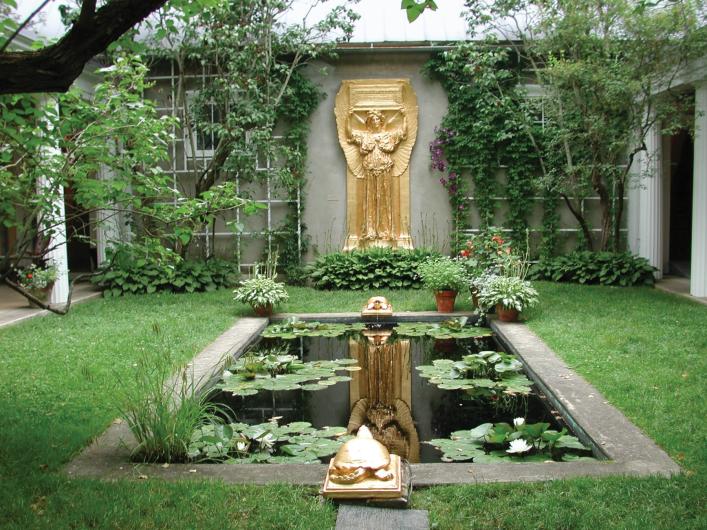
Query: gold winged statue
point(377, 126)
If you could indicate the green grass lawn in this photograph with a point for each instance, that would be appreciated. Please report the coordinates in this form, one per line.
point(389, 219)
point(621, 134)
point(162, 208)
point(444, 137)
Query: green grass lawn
point(645, 350)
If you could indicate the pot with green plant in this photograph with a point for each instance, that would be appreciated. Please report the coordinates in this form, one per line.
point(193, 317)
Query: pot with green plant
point(262, 291)
point(445, 277)
point(38, 281)
point(509, 294)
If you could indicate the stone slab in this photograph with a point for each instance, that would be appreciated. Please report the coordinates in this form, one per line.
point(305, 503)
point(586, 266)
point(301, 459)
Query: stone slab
point(398, 316)
point(359, 517)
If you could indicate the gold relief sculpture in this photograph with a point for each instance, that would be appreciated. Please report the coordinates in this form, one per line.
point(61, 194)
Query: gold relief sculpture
point(377, 127)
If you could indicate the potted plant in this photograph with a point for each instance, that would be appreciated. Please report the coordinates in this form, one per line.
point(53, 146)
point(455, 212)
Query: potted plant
point(445, 277)
point(38, 281)
point(262, 292)
point(509, 294)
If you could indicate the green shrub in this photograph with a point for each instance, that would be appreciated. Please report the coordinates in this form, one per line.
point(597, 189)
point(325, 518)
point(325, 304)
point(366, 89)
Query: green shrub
point(443, 274)
point(604, 268)
point(134, 270)
point(377, 268)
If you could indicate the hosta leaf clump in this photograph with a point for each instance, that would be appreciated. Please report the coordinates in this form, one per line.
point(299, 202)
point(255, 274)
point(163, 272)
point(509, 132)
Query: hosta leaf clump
point(239, 443)
point(454, 328)
point(277, 372)
point(486, 373)
point(520, 442)
point(293, 328)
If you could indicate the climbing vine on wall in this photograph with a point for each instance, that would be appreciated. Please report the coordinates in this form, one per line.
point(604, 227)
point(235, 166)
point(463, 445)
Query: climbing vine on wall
point(485, 129)
point(299, 102)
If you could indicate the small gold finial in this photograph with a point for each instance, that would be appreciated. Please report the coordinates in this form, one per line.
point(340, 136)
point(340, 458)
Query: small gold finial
point(377, 306)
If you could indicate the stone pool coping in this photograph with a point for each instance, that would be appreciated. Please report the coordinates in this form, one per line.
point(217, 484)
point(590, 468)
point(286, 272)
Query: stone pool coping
point(595, 421)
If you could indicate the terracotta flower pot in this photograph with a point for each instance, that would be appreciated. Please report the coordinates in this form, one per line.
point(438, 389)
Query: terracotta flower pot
point(263, 310)
point(506, 314)
point(445, 301)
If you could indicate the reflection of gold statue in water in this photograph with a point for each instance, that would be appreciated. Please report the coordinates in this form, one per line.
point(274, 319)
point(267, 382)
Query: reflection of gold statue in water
point(380, 393)
point(377, 127)
point(376, 144)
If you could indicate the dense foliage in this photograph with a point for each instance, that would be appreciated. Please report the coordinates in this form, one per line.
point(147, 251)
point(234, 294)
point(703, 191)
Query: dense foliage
point(482, 132)
point(105, 149)
point(254, 105)
point(599, 65)
point(443, 274)
point(374, 268)
point(140, 269)
point(604, 268)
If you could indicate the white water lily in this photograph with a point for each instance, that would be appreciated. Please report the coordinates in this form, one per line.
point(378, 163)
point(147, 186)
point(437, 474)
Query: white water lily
point(517, 422)
point(267, 441)
point(241, 447)
point(518, 446)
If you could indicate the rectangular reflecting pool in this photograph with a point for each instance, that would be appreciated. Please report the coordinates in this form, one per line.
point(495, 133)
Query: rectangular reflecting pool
point(419, 387)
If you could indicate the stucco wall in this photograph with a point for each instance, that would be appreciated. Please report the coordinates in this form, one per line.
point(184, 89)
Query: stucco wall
point(325, 192)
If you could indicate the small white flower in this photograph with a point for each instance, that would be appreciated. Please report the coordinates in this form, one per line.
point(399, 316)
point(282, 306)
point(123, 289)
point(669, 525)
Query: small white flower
point(518, 446)
point(241, 447)
point(517, 422)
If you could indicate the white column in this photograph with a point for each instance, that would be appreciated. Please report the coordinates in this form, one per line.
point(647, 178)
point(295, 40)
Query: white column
point(650, 245)
point(55, 220)
point(698, 265)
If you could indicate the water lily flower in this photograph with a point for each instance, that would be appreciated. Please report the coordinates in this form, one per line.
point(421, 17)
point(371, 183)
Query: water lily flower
point(241, 447)
point(518, 446)
point(517, 422)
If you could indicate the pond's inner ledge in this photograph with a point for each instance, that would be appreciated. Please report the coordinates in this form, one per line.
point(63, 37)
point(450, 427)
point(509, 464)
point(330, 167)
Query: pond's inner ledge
point(597, 423)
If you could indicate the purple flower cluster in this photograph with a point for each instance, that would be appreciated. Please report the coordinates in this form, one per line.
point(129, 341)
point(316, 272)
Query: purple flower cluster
point(439, 162)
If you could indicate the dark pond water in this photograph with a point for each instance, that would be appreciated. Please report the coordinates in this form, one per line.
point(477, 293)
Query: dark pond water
point(388, 393)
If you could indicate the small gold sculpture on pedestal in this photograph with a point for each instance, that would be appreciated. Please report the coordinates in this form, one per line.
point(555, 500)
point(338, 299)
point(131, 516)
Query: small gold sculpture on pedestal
point(377, 306)
point(363, 469)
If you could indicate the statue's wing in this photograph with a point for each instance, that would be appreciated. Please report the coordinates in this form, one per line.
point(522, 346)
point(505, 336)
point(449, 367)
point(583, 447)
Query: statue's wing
point(351, 151)
point(401, 156)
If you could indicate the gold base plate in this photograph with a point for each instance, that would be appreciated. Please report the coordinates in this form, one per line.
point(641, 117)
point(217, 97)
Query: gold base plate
point(370, 488)
point(376, 312)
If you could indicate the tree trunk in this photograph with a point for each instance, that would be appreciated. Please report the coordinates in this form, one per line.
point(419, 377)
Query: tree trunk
point(618, 215)
point(581, 220)
point(605, 204)
point(54, 68)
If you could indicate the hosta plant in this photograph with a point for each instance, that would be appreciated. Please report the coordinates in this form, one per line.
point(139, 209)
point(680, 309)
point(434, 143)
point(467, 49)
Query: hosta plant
point(498, 442)
point(510, 292)
point(261, 292)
